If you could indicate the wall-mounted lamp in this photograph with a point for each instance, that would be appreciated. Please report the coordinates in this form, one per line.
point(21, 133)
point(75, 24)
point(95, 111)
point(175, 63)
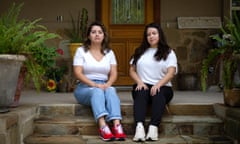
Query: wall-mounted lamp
point(59, 18)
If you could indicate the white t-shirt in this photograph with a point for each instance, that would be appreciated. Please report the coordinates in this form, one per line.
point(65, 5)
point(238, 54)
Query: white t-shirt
point(93, 69)
point(151, 71)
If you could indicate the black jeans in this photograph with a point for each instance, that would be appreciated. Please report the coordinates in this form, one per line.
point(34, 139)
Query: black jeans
point(142, 99)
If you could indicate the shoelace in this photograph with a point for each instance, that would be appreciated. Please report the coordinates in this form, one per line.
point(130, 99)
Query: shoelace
point(119, 128)
point(106, 129)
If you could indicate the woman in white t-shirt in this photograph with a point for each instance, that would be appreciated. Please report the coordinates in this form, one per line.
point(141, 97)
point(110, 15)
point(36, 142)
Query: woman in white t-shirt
point(152, 67)
point(95, 67)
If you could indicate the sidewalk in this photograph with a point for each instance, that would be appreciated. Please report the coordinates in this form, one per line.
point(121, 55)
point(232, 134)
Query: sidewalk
point(32, 97)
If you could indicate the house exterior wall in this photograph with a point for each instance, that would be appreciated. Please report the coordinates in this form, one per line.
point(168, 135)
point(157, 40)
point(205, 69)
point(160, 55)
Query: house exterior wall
point(191, 45)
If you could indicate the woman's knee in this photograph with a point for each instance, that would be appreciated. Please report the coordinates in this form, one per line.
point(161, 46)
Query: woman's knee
point(96, 91)
point(97, 94)
point(111, 95)
point(111, 90)
point(168, 93)
point(142, 94)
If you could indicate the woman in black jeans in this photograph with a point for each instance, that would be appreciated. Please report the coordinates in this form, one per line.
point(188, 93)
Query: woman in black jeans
point(153, 65)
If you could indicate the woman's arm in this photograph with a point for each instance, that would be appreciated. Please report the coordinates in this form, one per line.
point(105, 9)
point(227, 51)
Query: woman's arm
point(168, 77)
point(78, 71)
point(133, 74)
point(112, 75)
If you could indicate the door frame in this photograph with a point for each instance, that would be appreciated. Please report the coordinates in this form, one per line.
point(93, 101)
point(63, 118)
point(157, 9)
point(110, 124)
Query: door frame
point(156, 10)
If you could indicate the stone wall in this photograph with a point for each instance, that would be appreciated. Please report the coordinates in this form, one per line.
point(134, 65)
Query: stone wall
point(191, 46)
point(231, 117)
point(17, 124)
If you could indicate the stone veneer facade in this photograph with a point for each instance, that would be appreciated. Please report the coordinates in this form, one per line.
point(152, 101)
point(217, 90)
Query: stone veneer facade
point(17, 124)
point(191, 46)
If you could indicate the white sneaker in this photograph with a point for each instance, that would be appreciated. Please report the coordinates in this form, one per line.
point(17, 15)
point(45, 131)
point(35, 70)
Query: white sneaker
point(152, 133)
point(139, 133)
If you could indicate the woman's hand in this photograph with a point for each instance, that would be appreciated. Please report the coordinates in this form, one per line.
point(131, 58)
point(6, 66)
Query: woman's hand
point(102, 86)
point(170, 74)
point(154, 90)
point(141, 86)
point(135, 77)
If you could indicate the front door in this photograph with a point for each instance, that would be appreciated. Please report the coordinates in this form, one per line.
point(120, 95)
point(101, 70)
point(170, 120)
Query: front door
point(125, 21)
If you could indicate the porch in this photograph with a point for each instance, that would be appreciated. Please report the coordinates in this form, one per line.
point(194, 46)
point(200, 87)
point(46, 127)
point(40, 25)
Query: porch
point(21, 122)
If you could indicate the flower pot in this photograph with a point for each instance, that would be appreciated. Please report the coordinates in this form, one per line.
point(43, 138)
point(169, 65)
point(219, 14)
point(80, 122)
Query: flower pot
point(20, 83)
point(9, 68)
point(187, 81)
point(232, 97)
point(73, 47)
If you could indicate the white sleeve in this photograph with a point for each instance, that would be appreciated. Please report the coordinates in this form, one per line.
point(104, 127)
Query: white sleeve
point(131, 61)
point(172, 60)
point(113, 60)
point(79, 57)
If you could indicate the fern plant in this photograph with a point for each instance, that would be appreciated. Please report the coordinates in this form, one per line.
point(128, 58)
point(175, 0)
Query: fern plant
point(227, 52)
point(22, 36)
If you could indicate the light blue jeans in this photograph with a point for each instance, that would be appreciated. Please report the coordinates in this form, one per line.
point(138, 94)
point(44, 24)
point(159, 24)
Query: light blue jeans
point(103, 102)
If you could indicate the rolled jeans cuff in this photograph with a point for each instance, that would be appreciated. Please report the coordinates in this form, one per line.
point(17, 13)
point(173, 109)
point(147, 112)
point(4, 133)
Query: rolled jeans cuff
point(114, 118)
point(101, 115)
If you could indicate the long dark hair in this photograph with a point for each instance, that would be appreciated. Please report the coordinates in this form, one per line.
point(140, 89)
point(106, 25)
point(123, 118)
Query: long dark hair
point(162, 50)
point(105, 43)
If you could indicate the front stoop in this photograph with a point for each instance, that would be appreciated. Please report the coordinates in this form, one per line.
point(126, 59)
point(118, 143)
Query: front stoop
point(74, 123)
point(17, 124)
point(170, 125)
point(88, 139)
point(55, 139)
point(177, 139)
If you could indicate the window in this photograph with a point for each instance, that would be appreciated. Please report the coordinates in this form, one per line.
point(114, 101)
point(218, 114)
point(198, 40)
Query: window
point(127, 12)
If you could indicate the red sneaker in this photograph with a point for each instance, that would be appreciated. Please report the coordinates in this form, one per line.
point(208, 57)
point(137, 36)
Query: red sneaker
point(118, 133)
point(106, 134)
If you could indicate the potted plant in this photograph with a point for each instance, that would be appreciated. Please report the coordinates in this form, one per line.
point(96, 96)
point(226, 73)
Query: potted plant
point(55, 78)
point(228, 56)
point(27, 39)
point(77, 31)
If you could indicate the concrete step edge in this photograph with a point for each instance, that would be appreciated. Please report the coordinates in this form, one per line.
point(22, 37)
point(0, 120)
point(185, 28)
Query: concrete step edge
point(87, 139)
point(77, 109)
point(128, 119)
point(56, 139)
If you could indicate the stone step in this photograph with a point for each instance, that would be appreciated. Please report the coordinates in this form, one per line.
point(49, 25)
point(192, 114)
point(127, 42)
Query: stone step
point(74, 123)
point(177, 139)
point(170, 125)
point(85, 139)
point(126, 109)
point(66, 139)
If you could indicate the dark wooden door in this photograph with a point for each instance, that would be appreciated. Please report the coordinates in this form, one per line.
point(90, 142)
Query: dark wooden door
point(126, 36)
